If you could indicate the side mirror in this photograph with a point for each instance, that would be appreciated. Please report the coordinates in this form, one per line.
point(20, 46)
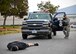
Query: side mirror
point(25, 18)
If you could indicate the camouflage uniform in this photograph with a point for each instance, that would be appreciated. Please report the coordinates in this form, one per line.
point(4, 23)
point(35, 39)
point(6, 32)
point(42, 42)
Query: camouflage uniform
point(66, 27)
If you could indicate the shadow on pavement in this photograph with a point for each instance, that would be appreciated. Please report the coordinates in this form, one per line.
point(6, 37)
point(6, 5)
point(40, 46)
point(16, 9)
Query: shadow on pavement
point(37, 38)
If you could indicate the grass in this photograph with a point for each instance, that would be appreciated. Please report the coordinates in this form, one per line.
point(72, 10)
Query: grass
point(9, 29)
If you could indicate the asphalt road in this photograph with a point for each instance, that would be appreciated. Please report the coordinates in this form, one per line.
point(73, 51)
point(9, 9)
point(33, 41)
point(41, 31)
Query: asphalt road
point(56, 45)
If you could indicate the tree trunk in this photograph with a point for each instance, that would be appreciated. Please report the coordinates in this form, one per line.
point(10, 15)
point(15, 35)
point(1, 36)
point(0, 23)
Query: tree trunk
point(4, 23)
point(13, 21)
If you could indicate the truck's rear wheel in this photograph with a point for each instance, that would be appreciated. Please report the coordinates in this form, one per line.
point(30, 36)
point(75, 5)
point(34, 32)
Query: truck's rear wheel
point(24, 36)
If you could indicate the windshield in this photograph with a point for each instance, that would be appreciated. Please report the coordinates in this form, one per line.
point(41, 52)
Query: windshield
point(39, 16)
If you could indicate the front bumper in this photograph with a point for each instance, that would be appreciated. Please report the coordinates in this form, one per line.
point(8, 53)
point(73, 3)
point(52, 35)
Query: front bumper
point(36, 32)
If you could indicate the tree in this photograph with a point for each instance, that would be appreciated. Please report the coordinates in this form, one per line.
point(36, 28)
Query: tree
point(47, 6)
point(13, 8)
point(4, 9)
point(19, 8)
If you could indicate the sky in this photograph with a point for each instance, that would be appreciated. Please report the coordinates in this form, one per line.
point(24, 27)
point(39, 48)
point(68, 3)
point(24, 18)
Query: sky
point(61, 3)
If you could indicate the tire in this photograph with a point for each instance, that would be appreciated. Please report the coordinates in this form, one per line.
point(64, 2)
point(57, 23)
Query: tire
point(24, 36)
point(50, 35)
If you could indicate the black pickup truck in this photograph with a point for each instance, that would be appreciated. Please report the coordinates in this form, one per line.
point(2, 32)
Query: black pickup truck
point(40, 23)
point(37, 24)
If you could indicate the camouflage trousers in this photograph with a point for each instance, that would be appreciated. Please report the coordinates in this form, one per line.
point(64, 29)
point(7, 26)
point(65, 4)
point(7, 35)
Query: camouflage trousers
point(66, 30)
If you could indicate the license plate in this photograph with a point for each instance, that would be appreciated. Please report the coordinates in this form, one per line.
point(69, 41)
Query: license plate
point(34, 31)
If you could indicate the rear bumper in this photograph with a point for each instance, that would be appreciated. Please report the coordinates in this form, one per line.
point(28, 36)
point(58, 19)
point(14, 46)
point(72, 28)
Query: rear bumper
point(36, 32)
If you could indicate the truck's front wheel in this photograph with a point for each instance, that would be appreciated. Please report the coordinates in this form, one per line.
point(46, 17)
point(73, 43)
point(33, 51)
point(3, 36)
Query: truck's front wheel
point(24, 36)
point(50, 36)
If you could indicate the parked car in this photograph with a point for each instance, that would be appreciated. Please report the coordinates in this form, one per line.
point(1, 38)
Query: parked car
point(73, 25)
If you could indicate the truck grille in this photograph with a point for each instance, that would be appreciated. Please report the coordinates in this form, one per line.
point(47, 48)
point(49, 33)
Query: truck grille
point(34, 25)
point(39, 22)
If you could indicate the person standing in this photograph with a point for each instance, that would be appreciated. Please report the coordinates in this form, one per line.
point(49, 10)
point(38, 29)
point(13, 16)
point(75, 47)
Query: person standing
point(66, 26)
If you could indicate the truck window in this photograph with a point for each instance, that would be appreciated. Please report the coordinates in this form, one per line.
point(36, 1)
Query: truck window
point(40, 16)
